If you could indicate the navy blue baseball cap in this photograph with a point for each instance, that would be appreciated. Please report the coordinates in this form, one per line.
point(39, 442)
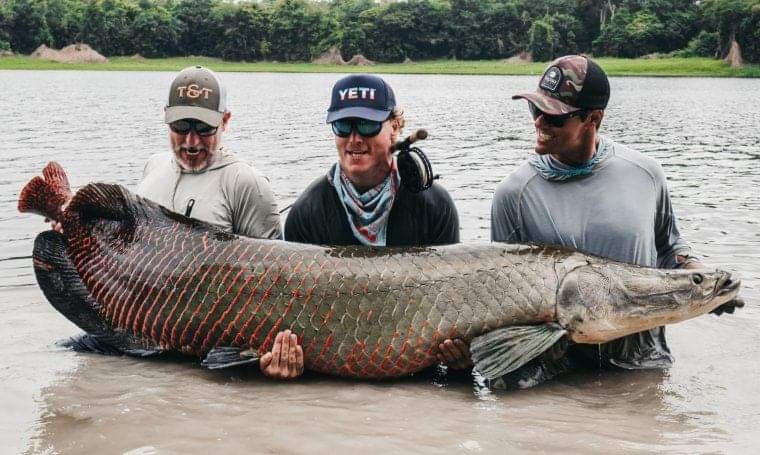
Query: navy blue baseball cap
point(362, 96)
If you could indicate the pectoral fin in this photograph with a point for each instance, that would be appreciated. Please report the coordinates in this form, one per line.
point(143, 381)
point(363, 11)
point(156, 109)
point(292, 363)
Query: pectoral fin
point(111, 345)
point(90, 343)
point(228, 356)
point(506, 349)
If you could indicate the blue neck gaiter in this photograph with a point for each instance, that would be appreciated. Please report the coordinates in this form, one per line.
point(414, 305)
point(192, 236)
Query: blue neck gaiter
point(551, 169)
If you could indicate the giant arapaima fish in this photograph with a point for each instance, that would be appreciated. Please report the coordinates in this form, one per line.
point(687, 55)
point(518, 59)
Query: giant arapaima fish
point(142, 280)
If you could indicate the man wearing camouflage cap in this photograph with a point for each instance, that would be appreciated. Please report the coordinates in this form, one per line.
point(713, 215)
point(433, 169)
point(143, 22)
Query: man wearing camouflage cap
point(585, 191)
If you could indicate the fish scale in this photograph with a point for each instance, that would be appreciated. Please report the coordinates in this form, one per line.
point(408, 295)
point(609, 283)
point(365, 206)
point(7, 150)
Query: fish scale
point(431, 294)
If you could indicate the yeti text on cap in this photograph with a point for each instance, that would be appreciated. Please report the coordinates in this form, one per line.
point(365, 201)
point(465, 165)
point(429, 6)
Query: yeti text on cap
point(357, 93)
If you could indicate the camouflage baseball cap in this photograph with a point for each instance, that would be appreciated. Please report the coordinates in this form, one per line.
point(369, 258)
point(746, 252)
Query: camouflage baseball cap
point(196, 93)
point(569, 84)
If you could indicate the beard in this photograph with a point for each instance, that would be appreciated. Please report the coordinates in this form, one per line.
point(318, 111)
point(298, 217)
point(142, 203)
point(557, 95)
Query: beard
point(194, 159)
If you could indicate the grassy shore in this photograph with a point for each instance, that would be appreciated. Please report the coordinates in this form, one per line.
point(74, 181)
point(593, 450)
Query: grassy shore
point(613, 66)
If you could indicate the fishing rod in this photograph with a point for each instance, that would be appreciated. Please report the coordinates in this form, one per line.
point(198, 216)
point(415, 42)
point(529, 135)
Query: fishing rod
point(418, 135)
point(413, 165)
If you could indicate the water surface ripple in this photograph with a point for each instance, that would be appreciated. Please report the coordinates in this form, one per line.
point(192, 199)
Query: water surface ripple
point(102, 126)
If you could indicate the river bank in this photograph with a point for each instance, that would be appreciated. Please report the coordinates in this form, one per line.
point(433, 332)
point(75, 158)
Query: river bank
point(694, 67)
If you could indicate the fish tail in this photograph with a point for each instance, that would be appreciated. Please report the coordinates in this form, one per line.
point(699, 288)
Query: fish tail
point(46, 195)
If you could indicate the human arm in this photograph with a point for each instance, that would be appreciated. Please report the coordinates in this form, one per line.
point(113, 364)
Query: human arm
point(504, 214)
point(297, 225)
point(254, 209)
point(445, 218)
point(672, 250)
point(454, 353)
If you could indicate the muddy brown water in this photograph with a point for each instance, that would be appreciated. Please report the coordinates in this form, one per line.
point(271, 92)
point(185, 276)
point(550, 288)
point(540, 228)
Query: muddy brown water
point(102, 126)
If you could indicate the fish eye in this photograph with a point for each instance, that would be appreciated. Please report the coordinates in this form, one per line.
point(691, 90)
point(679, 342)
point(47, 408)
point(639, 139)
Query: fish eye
point(697, 278)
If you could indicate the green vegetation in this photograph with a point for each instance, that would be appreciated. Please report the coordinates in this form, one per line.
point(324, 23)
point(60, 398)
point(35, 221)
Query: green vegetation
point(385, 31)
point(613, 66)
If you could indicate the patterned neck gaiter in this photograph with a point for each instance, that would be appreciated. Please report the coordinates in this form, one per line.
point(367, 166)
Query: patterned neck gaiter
point(367, 212)
point(551, 169)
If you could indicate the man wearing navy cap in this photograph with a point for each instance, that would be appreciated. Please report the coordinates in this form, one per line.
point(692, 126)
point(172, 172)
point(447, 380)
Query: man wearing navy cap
point(361, 200)
point(585, 191)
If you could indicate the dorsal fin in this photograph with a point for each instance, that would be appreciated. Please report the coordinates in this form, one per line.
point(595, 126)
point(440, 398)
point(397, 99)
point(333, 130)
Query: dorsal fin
point(103, 200)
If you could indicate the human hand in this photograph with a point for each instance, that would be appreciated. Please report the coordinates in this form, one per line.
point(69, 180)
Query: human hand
point(455, 354)
point(285, 361)
point(729, 307)
point(694, 265)
point(55, 225)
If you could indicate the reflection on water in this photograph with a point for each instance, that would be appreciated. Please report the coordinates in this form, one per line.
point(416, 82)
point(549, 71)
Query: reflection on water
point(103, 127)
point(122, 404)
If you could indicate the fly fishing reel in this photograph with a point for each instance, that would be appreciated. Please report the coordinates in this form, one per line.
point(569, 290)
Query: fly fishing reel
point(413, 165)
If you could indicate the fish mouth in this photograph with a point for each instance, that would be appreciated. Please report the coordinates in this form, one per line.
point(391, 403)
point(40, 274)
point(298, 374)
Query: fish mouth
point(727, 285)
point(726, 291)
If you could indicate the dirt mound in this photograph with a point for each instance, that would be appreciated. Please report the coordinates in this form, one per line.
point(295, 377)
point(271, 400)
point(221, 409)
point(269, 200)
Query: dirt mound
point(45, 53)
point(734, 57)
point(330, 57)
point(408, 61)
point(73, 53)
point(81, 53)
point(360, 60)
point(522, 57)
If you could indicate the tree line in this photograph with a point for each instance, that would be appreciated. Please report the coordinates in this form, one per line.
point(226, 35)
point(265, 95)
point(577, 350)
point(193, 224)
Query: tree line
point(387, 31)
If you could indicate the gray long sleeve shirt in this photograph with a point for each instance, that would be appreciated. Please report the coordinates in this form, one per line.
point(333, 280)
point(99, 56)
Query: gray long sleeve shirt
point(621, 211)
point(229, 194)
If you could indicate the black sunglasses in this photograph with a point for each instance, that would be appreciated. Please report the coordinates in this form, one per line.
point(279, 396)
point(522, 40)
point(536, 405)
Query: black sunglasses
point(184, 127)
point(365, 128)
point(557, 121)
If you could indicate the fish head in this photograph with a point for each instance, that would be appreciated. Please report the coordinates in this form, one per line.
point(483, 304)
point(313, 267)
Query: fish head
point(602, 301)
